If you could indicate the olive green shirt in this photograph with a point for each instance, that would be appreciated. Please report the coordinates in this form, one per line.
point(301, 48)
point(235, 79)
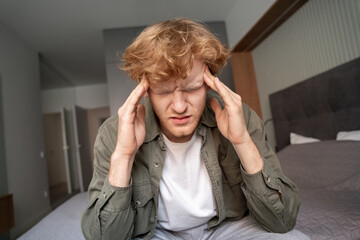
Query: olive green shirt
point(128, 212)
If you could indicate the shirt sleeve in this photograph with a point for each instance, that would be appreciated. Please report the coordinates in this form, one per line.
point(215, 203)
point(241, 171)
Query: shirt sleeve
point(272, 198)
point(109, 212)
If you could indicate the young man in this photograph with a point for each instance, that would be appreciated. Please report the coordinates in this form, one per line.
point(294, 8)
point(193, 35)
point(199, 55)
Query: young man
point(188, 163)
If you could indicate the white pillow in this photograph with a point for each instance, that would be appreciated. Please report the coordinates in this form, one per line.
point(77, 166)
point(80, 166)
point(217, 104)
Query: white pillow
point(352, 135)
point(299, 139)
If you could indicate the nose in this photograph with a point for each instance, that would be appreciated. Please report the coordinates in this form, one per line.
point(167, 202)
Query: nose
point(179, 101)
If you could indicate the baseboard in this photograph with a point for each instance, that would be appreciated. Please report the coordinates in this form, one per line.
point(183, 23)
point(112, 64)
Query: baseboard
point(17, 231)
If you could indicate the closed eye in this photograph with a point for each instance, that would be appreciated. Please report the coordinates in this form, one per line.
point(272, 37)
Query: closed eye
point(168, 90)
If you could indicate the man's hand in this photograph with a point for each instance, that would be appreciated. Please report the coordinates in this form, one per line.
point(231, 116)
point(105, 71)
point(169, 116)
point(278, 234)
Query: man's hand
point(231, 123)
point(131, 135)
point(230, 120)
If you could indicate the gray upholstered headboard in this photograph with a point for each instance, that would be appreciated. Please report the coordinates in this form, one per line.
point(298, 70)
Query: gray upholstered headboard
point(320, 106)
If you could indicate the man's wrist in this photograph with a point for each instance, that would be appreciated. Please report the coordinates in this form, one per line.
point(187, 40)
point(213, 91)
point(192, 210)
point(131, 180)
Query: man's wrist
point(120, 171)
point(249, 155)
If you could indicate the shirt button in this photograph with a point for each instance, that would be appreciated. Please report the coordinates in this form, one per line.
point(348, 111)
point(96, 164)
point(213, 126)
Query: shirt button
point(138, 202)
point(268, 179)
point(156, 165)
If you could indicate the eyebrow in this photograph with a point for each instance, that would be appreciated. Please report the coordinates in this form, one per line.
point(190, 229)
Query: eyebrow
point(196, 83)
point(162, 89)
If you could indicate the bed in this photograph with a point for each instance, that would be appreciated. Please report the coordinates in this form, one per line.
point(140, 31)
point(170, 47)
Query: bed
point(62, 223)
point(326, 168)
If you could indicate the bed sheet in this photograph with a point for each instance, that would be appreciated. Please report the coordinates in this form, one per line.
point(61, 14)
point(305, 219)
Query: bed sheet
point(327, 174)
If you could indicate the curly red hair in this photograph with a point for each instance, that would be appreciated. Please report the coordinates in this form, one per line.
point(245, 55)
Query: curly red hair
point(166, 51)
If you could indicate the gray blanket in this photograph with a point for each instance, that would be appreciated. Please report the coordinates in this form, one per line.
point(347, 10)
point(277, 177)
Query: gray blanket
point(328, 176)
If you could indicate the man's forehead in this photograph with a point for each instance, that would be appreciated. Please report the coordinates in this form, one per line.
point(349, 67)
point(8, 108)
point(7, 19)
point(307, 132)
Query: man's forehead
point(195, 76)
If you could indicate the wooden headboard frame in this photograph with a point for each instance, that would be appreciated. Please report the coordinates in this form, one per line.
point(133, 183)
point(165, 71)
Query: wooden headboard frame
point(319, 107)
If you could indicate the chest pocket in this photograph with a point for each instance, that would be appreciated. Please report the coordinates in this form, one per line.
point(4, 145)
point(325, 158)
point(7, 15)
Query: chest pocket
point(144, 207)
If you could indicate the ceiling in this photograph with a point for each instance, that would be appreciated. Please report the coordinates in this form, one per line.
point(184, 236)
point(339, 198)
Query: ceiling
point(68, 33)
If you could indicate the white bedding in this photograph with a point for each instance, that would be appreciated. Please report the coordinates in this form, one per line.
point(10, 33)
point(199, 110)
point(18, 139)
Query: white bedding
point(62, 223)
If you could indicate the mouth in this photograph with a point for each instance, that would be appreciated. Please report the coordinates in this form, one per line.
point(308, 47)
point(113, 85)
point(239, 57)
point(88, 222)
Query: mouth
point(180, 120)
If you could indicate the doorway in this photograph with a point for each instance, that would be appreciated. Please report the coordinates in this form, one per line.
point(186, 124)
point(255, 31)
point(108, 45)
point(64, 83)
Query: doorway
point(87, 123)
point(69, 141)
point(55, 157)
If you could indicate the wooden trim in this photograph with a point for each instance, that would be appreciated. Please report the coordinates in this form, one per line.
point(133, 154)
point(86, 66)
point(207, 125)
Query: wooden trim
point(245, 80)
point(241, 60)
point(7, 220)
point(277, 14)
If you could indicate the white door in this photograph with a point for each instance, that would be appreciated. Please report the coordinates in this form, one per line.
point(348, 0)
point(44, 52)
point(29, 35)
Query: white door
point(83, 154)
point(66, 150)
point(57, 166)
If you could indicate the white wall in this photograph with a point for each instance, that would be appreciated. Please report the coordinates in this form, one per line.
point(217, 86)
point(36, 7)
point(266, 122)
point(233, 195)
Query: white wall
point(92, 96)
point(318, 37)
point(3, 172)
point(243, 16)
point(23, 132)
point(53, 100)
point(89, 97)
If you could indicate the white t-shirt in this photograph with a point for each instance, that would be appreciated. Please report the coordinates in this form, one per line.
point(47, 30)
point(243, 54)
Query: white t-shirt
point(186, 199)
